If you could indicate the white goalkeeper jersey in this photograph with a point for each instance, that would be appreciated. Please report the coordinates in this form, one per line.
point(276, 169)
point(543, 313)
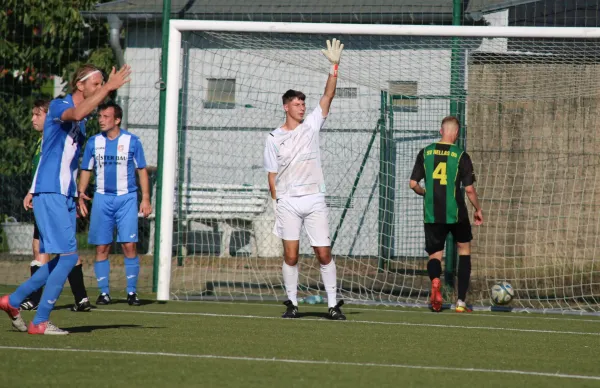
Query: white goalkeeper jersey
point(295, 157)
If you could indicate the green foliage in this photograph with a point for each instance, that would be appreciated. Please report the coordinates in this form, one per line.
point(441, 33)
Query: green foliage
point(40, 37)
point(39, 40)
point(17, 136)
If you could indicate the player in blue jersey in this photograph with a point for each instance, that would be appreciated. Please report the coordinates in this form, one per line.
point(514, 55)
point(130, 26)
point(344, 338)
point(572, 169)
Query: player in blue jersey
point(54, 192)
point(82, 303)
point(114, 155)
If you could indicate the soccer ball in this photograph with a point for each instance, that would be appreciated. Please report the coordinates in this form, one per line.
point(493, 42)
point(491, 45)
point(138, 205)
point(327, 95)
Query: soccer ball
point(502, 293)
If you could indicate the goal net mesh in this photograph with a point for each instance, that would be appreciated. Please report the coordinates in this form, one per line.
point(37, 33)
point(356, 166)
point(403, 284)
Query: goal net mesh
point(530, 115)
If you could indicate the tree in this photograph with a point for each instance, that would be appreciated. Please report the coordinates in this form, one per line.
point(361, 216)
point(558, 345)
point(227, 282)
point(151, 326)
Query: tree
point(41, 37)
point(39, 40)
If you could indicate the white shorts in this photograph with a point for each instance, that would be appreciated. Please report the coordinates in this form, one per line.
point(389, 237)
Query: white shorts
point(308, 210)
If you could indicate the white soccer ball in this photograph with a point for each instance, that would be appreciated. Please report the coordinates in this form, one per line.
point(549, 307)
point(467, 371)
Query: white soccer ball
point(502, 293)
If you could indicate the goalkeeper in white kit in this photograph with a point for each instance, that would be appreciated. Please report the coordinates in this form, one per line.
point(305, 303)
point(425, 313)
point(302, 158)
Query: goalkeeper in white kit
point(293, 162)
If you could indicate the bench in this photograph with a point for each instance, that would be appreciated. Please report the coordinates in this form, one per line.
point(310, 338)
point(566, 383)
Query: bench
point(223, 207)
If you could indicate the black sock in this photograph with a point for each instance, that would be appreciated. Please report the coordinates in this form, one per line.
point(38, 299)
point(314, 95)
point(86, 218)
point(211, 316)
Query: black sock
point(434, 268)
point(35, 296)
point(76, 282)
point(464, 275)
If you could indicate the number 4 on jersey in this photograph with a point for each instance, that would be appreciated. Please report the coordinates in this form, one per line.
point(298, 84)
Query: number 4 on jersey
point(440, 173)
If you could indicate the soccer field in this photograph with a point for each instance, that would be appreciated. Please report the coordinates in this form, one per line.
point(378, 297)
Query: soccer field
point(214, 344)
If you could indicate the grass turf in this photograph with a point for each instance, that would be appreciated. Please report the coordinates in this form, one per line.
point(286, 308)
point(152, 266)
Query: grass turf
point(187, 343)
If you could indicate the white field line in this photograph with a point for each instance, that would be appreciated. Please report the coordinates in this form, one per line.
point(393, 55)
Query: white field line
point(307, 362)
point(405, 310)
point(355, 322)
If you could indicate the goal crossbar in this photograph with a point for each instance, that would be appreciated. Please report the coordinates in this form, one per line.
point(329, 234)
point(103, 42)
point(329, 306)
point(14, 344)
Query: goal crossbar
point(169, 141)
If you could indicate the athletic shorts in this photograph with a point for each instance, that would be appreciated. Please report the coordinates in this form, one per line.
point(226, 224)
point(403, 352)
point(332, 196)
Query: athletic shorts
point(55, 216)
point(109, 211)
point(435, 235)
point(309, 211)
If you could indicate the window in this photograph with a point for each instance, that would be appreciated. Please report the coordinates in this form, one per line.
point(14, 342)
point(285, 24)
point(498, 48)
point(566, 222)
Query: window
point(220, 93)
point(351, 93)
point(404, 95)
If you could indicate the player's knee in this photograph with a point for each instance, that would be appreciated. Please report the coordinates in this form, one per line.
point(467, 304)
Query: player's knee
point(129, 249)
point(464, 248)
point(43, 258)
point(323, 254)
point(102, 252)
point(290, 258)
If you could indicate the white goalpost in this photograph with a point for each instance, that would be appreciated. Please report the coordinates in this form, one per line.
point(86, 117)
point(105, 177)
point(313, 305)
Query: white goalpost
point(529, 98)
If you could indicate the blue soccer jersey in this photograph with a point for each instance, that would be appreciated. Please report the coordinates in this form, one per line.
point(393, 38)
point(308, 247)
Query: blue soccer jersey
point(61, 147)
point(114, 162)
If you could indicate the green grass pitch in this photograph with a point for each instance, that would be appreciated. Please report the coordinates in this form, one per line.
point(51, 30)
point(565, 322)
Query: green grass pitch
point(225, 344)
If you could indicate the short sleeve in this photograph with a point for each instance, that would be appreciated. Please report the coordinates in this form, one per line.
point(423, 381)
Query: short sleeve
point(139, 158)
point(270, 155)
point(57, 108)
point(88, 161)
point(418, 171)
point(315, 119)
point(465, 170)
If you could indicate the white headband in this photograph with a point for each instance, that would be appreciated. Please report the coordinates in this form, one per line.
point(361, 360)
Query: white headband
point(88, 75)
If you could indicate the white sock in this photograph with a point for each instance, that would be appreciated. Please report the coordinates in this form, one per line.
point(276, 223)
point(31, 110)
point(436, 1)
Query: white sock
point(329, 277)
point(290, 280)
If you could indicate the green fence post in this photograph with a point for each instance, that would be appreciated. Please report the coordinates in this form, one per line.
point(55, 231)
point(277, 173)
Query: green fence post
point(161, 134)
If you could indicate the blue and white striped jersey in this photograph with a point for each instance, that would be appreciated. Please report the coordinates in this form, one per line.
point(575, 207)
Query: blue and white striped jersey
point(114, 162)
point(61, 147)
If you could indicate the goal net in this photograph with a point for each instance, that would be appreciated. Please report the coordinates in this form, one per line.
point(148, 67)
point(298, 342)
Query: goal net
point(529, 103)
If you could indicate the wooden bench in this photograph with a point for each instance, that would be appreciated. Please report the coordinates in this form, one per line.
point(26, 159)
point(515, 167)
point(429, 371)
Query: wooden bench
point(225, 208)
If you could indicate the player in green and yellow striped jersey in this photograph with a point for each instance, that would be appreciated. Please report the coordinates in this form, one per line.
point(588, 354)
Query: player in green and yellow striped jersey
point(445, 167)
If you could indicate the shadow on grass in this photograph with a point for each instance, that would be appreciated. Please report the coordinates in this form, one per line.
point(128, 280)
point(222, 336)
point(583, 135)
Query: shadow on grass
point(143, 302)
point(323, 315)
point(91, 328)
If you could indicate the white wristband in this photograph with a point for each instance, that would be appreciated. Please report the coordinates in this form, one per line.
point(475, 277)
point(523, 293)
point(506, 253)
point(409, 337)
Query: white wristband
point(334, 69)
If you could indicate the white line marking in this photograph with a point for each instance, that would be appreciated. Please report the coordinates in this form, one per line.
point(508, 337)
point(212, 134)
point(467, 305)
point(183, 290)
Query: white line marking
point(355, 321)
point(404, 310)
point(310, 362)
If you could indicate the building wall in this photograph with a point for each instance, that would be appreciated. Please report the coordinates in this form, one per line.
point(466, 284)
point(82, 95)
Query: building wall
point(533, 134)
point(226, 145)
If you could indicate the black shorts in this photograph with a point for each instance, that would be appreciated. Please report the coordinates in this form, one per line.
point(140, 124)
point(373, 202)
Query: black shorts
point(435, 235)
point(36, 231)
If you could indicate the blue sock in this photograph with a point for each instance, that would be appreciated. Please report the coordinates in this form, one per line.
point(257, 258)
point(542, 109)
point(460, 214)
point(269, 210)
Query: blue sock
point(102, 270)
point(132, 270)
point(32, 284)
point(54, 285)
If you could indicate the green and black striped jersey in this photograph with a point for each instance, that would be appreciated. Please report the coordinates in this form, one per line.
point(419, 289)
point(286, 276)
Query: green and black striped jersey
point(37, 152)
point(444, 167)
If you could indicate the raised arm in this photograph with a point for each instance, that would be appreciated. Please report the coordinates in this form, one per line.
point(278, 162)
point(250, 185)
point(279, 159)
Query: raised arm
point(83, 109)
point(333, 53)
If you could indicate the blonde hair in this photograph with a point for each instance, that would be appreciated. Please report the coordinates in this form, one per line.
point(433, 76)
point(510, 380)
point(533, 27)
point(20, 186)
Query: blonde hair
point(81, 73)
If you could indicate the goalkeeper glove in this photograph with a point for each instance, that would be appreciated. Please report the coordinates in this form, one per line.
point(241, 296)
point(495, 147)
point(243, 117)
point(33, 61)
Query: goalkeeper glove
point(333, 53)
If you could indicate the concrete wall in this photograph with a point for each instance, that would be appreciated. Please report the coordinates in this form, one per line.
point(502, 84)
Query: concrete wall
point(533, 134)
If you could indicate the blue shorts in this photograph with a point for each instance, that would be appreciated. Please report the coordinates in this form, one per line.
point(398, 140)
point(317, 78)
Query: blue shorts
point(109, 211)
point(55, 216)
